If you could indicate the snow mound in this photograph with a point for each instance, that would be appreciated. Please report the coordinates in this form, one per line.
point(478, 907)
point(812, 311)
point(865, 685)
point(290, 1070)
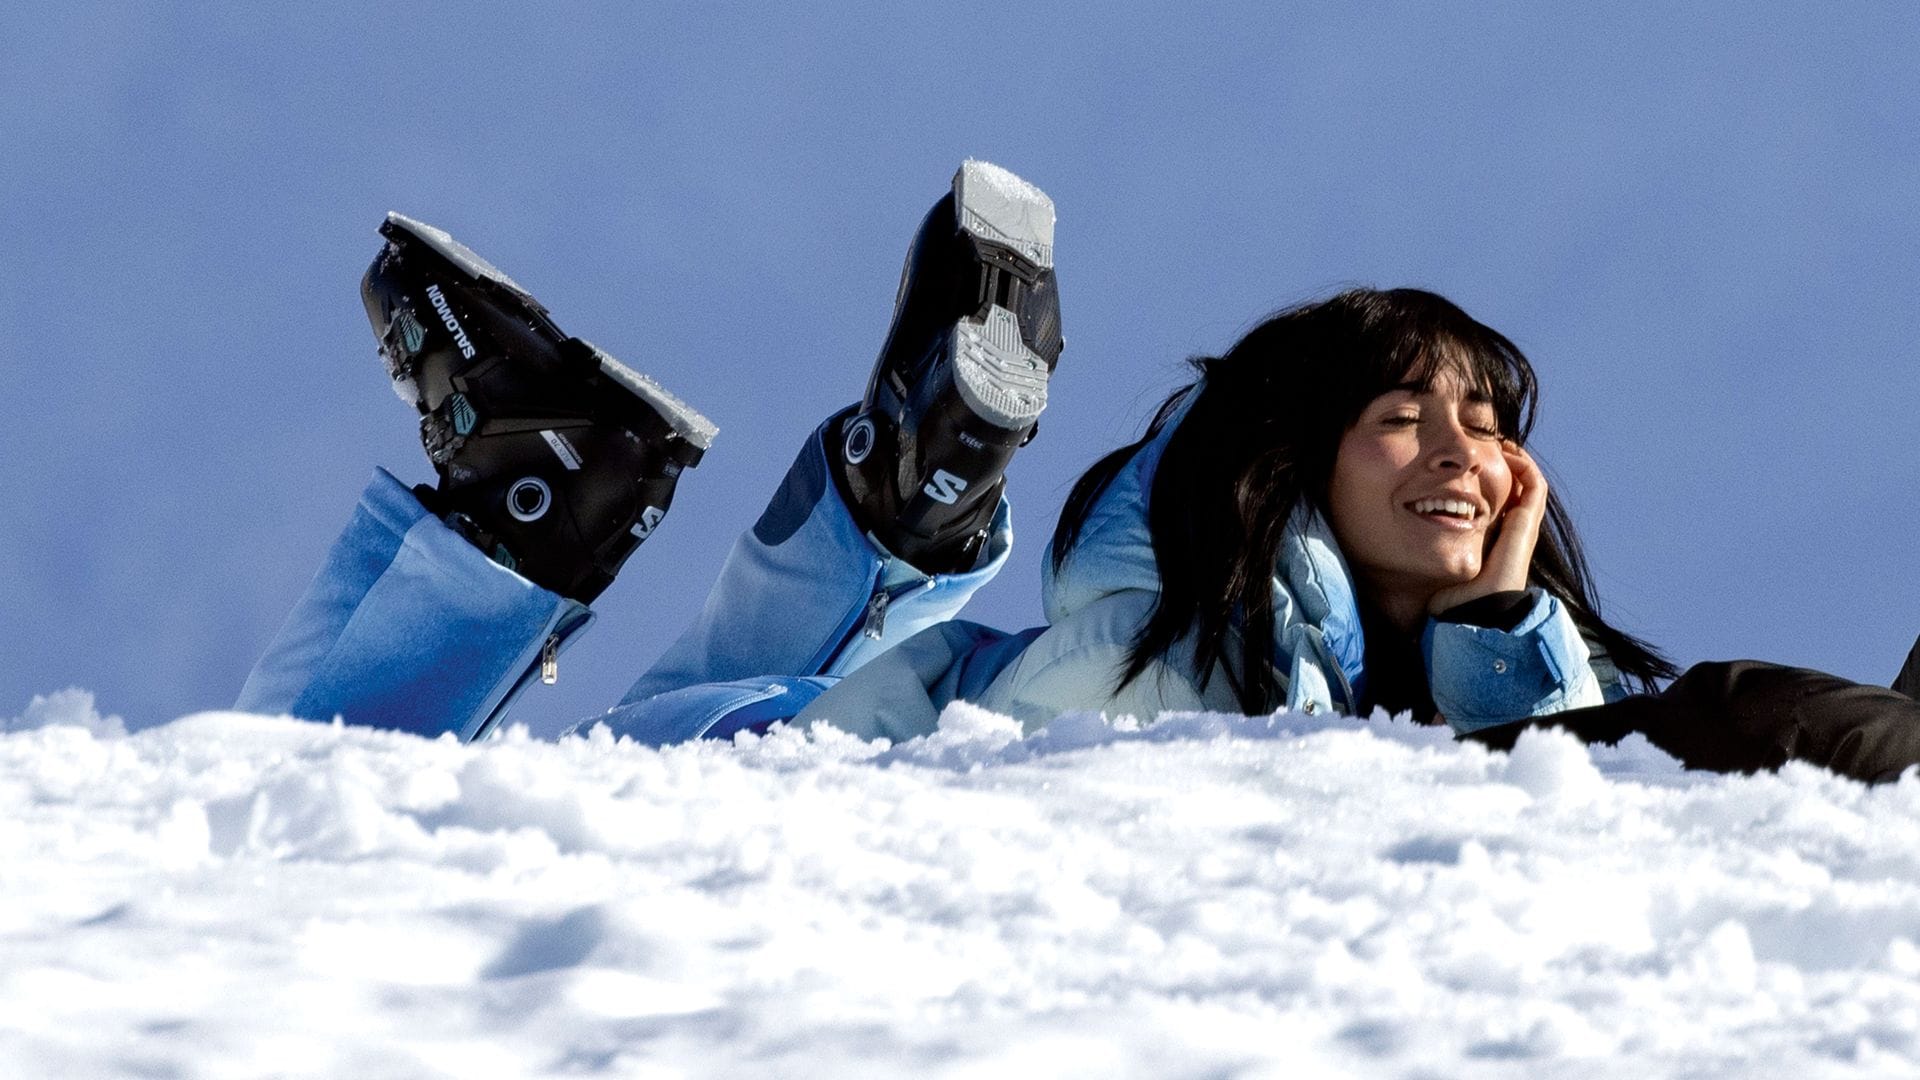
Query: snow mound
point(71, 707)
point(1203, 896)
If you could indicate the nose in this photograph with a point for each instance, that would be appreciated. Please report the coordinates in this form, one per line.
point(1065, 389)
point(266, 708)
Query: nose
point(1455, 449)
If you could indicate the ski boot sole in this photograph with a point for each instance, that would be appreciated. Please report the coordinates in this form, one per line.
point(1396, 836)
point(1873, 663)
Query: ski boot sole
point(999, 208)
point(681, 419)
point(1011, 224)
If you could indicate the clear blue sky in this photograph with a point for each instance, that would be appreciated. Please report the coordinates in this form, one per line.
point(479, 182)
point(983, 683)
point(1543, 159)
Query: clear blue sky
point(1700, 224)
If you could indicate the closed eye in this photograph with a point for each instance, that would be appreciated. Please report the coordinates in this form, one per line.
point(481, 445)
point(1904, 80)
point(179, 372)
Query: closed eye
point(1482, 421)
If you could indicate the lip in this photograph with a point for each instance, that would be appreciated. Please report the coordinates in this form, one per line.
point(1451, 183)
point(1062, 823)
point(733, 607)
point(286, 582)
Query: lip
point(1480, 511)
point(1449, 524)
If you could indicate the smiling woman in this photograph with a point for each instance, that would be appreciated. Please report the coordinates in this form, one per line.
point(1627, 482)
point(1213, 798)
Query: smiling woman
point(1343, 499)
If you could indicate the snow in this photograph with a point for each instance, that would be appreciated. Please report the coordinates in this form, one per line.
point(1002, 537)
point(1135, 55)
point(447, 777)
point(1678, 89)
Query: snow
point(230, 895)
point(1009, 187)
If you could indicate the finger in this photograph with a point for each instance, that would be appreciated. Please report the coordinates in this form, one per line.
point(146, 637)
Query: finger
point(1519, 461)
point(1529, 481)
point(1511, 555)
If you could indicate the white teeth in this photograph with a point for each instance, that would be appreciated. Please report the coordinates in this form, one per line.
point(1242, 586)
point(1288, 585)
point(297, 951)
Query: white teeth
point(1454, 507)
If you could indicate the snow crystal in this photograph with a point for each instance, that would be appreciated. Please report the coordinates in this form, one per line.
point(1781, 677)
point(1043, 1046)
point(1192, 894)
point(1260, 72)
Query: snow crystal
point(1199, 896)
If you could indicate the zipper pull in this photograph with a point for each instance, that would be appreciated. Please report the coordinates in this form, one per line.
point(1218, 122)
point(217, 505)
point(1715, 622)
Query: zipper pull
point(876, 623)
point(550, 660)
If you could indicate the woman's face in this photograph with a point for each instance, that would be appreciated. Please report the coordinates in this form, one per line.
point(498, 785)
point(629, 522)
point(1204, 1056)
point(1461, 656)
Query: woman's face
point(1417, 484)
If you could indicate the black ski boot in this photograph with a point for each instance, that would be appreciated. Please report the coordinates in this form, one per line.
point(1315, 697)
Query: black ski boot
point(554, 458)
point(962, 378)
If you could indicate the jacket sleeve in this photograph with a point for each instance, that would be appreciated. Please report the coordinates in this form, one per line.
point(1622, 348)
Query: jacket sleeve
point(408, 626)
point(1481, 676)
point(1075, 666)
point(1084, 681)
point(899, 694)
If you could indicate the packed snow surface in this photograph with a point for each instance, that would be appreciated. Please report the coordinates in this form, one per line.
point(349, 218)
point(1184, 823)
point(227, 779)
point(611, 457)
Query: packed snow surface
point(237, 896)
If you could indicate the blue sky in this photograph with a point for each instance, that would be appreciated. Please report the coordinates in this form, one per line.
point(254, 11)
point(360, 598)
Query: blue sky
point(1699, 224)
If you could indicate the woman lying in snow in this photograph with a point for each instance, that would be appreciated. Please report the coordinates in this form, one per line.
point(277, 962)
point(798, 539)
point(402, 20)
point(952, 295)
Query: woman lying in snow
point(1338, 514)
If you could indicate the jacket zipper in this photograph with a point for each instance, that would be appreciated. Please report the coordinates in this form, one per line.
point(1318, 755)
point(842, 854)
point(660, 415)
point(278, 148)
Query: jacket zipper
point(871, 621)
point(1332, 663)
point(855, 619)
point(875, 625)
point(563, 628)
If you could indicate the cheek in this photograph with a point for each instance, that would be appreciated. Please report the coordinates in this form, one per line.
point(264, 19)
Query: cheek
point(1360, 497)
point(1498, 486)
point(1364, 467)
point(1349, 488)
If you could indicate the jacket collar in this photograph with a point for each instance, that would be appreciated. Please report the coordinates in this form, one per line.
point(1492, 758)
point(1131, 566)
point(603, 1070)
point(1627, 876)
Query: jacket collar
point(1312, 586)
point(1316, 615)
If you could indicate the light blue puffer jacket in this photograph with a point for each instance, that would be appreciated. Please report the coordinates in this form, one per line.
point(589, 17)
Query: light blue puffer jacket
point(1098, 601)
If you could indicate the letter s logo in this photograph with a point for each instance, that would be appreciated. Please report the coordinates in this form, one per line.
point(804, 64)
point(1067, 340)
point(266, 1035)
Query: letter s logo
point(945, 487)
point(649, 518)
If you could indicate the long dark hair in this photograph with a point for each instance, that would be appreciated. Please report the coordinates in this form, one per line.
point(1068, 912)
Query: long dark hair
point(1261, 436)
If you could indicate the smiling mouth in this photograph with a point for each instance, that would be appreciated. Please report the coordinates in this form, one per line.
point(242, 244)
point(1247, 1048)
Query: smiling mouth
point(1447, 513)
